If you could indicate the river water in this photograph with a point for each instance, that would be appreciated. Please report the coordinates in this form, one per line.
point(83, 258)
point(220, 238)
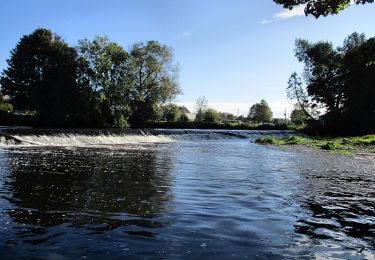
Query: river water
point(188, 195)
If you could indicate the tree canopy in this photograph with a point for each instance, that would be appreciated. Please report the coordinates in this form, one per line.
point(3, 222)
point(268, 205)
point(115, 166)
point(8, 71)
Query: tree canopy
point(155, 78)
point(260, 112)
point(319, 8)
point(105, 69)
point(41, 76)
point(338, 81)
point(298, 115)
point(98, 83)
point(211, 116)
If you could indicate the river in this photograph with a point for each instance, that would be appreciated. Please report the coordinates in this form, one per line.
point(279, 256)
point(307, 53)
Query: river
point(187, 194)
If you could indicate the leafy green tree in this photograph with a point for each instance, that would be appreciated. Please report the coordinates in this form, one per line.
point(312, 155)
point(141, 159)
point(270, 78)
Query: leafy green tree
point(226, 116)
point(41, 76)
point(320, 7)
point(211, 116)
point(298, 115)
point(296, 91)
point(260, 112)
point(172, 112)
point(155, 80)
point(4, 106)
point(106, 69)
point(324, 76)
point(359, 105)
point(201, 107)
point(339, 80)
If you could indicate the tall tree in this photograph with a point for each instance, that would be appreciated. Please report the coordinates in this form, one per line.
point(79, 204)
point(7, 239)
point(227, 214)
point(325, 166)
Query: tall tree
point(171, 112)
point(41, 76)
point(155, 77)
point(200, 107)
point(320, 7)
point(359, 104)
point(260, 112)
point(324, 76)
point(298, 115)
point(296, 91)
point(106, 69)
point(211, 116)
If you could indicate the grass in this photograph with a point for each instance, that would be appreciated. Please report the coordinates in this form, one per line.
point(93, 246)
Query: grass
point(341, 145)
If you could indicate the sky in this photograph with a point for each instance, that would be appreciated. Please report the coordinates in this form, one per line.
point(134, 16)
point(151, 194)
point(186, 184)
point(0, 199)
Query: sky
point(233, 52)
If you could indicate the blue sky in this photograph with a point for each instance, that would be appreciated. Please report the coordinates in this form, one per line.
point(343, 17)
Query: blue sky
point(233, 52)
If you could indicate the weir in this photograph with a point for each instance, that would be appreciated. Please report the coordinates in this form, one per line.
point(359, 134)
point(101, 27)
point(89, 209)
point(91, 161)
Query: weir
point(110, 137)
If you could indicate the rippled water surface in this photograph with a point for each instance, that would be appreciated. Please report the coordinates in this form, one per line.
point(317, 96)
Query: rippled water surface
point(188, 198)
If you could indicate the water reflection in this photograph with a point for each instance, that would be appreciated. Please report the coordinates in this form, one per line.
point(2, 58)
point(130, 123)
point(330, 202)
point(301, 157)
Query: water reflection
point(89, 189)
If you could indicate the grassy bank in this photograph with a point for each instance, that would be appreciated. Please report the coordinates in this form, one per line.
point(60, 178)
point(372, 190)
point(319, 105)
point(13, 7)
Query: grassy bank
point(343, 145)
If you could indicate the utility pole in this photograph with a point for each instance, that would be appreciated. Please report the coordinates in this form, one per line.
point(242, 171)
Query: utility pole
point(285, 118)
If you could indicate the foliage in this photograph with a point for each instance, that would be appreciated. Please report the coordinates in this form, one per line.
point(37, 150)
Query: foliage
point(96, 84)
point(338, 81)
point(260, 112)
point(41, 76)
point(318, 8)
point(155, 79)
point(298, 115)
point(6, 107)
point(211, 116)
point(342, 145)
point(200, 107)
point(227, 117)
point(295, 91)
point(275, 141)
point(359, 105)
point(105, 69)
point(328, 146)
point(172, 113)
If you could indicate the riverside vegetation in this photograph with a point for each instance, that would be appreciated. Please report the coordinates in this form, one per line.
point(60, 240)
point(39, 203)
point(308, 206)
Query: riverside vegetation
point(100, 84)
point(342, 145)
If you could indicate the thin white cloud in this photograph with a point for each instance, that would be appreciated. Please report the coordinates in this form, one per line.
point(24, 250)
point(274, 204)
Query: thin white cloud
point(184, 35)
point(286, 14)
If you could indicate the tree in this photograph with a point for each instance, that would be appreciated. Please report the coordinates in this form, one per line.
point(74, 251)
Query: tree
point(325, 77)
point(211, 116)
point(200, 107)
point(106, 70)
point(295, 91)
point(340, 80)
point(155, 79)
point(298, 115)
point(318, 8)
point(359, 105)
point(260, 112)
point(172, 112)
point(226, 116)
point(41, 76)
point(4, 106)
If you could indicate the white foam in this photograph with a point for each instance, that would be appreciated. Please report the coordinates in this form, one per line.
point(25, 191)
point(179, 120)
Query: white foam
point(79, 140)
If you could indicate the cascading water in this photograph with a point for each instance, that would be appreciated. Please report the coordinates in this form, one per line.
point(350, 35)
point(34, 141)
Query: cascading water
point(91, 138)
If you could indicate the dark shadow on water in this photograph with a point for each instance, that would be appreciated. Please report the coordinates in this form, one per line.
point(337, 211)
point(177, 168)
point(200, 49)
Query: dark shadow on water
point(90, 191)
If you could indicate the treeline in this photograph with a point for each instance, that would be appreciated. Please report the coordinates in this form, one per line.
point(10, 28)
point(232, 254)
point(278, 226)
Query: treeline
point(337, 87)
point(95, 84)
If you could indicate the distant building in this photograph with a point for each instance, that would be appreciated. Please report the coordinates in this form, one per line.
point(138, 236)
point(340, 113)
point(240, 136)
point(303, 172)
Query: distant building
point(191, 116)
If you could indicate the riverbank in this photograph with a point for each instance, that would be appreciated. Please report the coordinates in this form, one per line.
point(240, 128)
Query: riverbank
point(341, 145)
